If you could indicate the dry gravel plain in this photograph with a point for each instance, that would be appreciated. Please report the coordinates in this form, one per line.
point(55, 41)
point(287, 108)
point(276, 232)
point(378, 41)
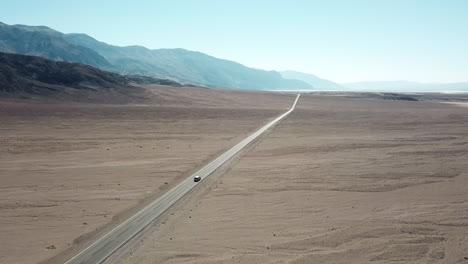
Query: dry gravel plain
point(71, 171)
point(341, 180)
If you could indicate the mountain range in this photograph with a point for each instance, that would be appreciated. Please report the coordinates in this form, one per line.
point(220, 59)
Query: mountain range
point(188, 67)
point(179, 65)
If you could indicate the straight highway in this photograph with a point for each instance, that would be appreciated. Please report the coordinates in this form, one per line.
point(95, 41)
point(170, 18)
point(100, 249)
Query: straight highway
point(105, 246)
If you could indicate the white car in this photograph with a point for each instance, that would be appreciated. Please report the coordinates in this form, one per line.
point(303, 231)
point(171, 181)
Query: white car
point(196, 178)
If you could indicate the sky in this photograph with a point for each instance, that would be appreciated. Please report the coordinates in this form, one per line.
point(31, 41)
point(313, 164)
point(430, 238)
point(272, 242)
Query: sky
point(340, 40)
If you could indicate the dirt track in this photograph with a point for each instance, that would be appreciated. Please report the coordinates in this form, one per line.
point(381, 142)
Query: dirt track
point(341, 180)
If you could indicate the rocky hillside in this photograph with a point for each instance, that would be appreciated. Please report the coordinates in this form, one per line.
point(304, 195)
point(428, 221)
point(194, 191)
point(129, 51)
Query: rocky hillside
point(36, 76)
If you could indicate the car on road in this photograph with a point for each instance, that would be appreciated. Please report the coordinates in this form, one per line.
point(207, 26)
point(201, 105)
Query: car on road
point(196, 178)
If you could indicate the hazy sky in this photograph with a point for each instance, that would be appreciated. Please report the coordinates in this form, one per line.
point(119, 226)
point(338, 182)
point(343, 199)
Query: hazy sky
point(347, 40)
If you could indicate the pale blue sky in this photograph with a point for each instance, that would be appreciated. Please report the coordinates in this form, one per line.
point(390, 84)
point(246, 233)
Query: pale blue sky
point(347, 40)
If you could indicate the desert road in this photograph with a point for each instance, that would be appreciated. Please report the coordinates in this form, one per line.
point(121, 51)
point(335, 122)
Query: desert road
point(105, 246)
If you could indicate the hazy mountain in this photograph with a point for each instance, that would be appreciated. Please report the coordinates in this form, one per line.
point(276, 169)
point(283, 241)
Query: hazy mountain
point(186, 66)
point(406, 86)
point(48, 43)
point(38, 76)
point(177, 64)
point(316, 82)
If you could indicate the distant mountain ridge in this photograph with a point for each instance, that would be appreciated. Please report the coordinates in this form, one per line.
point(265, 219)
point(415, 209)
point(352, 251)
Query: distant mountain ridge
point(406, 86)
point(316, 82)
point(176, 64)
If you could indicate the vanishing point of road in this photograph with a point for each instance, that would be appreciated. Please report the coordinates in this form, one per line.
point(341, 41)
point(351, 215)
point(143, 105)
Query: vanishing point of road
point(105, 246)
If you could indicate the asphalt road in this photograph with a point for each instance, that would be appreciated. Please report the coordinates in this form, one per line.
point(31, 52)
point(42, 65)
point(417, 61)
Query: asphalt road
point(105, 246)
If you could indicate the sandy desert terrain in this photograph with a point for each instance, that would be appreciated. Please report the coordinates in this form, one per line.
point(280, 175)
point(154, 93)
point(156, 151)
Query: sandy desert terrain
point(341, 180)
point(71, 171)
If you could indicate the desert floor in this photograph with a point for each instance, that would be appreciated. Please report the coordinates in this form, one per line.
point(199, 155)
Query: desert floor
point(341, 180)
point(69, 172)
